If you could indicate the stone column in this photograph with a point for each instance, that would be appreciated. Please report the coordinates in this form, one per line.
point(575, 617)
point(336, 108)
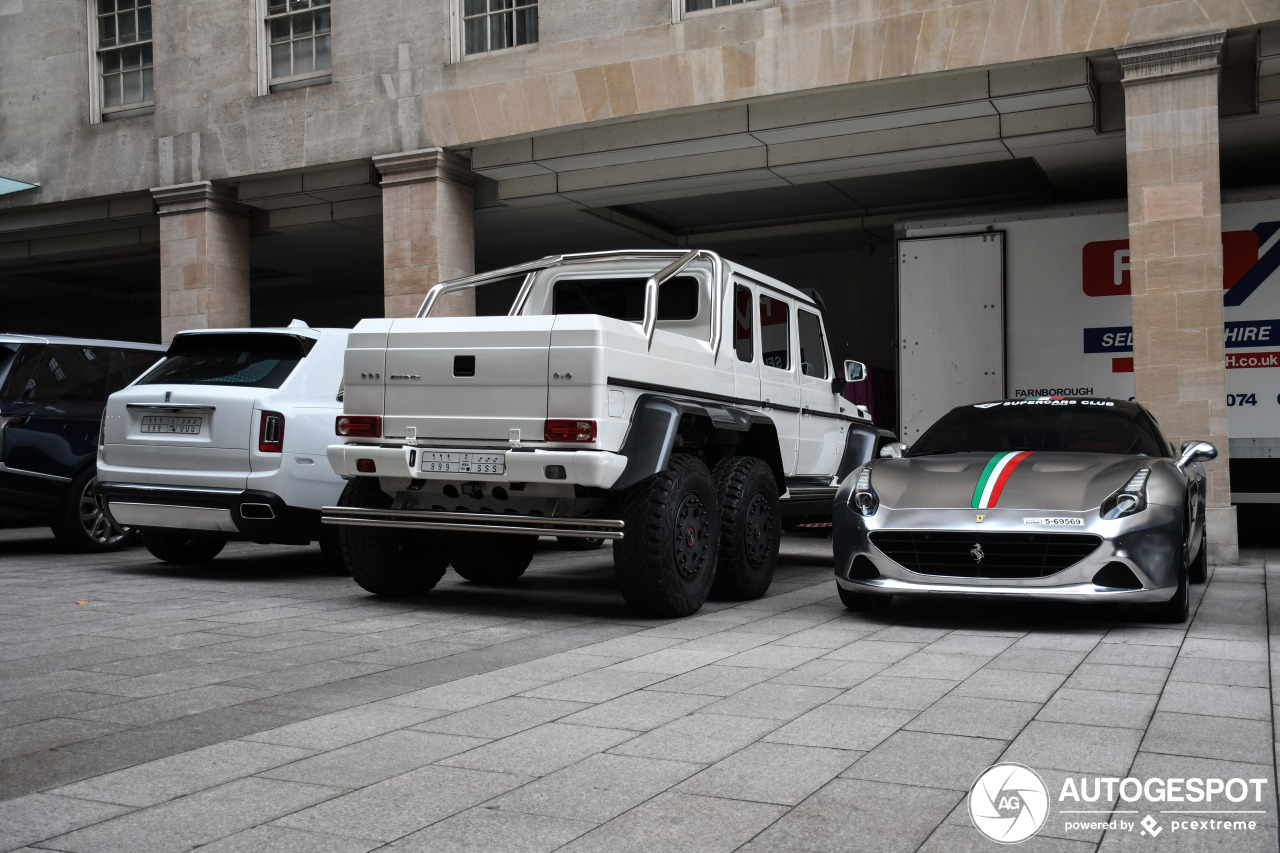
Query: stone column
point(428, 229)
point(1175, 245)
point(204, 258)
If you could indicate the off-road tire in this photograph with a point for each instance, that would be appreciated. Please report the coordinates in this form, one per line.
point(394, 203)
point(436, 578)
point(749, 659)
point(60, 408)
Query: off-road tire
point(81, 524)
point(578, 543)
point(489, 558)
point(182, 549)
point(666, 563)
point(1198, 569)
point(861, 601)
point(750, 528)
point(385, 560)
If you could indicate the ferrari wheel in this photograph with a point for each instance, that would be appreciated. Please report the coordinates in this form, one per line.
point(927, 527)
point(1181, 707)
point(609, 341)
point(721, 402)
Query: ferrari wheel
point(1176, 610)
point(1198, 570)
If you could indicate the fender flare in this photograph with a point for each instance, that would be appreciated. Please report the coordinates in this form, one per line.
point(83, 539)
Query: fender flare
point(655, 423)
point(861, 444)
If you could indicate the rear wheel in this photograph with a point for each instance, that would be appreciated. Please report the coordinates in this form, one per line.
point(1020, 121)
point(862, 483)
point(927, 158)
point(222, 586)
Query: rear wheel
point(750, 528)
point(485, 558)
point(182, 549)
point(862, 601)
point(667, 561)
point(389, 561)
point(81, 524)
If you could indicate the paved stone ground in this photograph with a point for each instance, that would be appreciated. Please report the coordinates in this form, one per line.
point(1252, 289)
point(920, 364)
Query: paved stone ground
point(259, 705)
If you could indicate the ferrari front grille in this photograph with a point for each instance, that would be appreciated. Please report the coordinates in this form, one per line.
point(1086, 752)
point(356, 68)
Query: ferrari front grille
point(986, 554)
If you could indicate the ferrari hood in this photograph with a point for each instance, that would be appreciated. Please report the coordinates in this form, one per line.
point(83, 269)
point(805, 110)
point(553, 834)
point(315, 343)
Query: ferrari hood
point(1073, 482)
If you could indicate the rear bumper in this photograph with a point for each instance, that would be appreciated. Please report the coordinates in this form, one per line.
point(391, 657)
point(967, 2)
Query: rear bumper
point(253, 514)
point(593, 468)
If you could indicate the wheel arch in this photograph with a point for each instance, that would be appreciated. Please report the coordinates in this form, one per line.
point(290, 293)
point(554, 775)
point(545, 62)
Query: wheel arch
point(659, 424)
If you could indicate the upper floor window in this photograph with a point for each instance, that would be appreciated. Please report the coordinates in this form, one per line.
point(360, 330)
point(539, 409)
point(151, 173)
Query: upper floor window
point(494, 24)
point(122, 33)
point(682, 8)
point(298, 43)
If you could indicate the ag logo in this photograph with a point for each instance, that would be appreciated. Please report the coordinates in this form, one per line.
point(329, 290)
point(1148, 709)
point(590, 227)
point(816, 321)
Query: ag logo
point(1009, 803)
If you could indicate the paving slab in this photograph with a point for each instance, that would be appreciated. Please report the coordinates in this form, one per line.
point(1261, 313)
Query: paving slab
point(259, 705)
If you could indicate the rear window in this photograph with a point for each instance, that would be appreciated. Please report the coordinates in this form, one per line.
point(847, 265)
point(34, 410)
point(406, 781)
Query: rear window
point(623, 298)
point(246, 360)
point(8, 354)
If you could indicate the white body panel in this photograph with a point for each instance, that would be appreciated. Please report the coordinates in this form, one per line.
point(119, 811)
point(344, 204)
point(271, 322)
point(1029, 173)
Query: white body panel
point(224, 455)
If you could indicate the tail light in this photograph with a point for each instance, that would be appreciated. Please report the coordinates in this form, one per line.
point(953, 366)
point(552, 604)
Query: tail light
point(359, 426)
point(271, 433)
point(569, 430)
point(102, 428)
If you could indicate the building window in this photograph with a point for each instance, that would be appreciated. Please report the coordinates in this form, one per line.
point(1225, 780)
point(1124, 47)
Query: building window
point(494, 24)
point(684, 8)
point(123, 36)
point(298, 43)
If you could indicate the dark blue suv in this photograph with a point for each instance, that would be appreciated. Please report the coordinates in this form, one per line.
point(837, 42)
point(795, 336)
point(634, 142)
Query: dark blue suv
point(52, 392)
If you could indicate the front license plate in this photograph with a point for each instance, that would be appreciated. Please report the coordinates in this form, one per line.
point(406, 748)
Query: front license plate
point(456, 462)
point(172, 425)
point(1055, 521)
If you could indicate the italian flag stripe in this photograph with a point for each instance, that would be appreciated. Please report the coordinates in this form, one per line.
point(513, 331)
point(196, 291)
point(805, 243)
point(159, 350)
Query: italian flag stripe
point(1000, 467)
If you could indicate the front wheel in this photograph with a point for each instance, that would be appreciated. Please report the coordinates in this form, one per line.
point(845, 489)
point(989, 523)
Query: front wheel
point(385, 560)
point(666, 562)
point(81, 523)
point(485, 558)
point(750, 528)
point(1198, 570)
point(1176, 610)
point(181, 549)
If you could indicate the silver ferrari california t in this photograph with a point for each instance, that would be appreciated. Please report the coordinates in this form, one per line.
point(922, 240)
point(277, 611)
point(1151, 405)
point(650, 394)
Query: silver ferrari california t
point(1074, 499)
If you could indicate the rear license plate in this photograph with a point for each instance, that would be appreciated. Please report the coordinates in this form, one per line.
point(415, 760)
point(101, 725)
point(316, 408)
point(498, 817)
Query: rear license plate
point(172, 425)
point(455, 462)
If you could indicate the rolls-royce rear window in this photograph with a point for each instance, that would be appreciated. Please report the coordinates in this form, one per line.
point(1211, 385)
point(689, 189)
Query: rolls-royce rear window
point(241, 359)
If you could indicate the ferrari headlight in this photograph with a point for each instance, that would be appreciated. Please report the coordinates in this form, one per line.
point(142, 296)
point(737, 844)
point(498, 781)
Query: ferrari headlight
point(864, 497)
point(1131, 498)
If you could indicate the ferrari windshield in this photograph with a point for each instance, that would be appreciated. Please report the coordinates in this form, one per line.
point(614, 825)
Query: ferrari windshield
point(1074, 426)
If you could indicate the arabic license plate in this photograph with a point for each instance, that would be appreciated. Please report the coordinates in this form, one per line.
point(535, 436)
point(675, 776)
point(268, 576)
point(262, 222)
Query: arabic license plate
point(172, 425)
point(1056, 521)
point(458, 462)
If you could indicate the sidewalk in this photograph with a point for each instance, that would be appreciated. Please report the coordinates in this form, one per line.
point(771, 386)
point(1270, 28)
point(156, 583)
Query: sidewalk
point(257, 705)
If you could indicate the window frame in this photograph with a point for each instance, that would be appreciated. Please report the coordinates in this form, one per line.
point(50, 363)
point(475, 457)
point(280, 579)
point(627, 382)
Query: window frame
point(822, 344)
point(458, 35)
point(267, 84)
point(98, 111)
point(678, 12)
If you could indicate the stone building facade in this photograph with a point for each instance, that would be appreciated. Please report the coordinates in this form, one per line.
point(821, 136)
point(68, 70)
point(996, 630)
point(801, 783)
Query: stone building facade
point(245, 161)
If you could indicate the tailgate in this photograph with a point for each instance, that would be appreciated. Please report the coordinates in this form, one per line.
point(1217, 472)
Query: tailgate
point(467, 378)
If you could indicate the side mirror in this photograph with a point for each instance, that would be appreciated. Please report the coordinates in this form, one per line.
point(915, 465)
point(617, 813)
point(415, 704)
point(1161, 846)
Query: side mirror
point(1194, 451)
point(854, 371)
point(893, 450)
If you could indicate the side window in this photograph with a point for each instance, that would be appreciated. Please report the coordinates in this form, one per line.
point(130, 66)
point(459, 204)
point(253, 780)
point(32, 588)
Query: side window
point(744, 326)
point(69, 374)
point(813, 352)
point(127, 365)
point(775, 332)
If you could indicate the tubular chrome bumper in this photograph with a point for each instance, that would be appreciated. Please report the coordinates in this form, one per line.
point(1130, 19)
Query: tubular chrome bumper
point(580, 528)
